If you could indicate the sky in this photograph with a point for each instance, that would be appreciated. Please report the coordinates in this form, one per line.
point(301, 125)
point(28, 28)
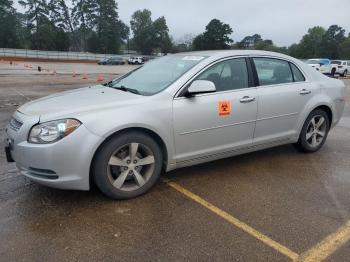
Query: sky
point(283, 21)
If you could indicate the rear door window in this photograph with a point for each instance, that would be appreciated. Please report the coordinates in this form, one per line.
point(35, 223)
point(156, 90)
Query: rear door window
point(273, 71)
point(298, 76)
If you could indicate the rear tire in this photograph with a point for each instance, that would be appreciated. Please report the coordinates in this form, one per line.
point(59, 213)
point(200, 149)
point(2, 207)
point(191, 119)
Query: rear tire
point(344, 74)
point(127, 165)
point(314, 132)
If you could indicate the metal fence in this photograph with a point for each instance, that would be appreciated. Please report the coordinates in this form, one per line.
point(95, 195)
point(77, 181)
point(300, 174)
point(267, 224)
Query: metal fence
point(57, 55)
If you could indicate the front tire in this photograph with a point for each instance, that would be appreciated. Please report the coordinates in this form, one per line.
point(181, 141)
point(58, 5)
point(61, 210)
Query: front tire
point(127, 165)
point(314, 132)
point(345, 73)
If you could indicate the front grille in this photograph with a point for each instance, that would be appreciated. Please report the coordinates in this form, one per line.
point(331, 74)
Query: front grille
point(14, 124)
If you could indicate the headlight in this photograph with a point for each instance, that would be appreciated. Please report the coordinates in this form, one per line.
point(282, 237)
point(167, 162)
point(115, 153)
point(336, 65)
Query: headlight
point(52, 131)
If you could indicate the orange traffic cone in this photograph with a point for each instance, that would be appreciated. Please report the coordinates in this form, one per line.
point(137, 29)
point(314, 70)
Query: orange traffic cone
point(85, 76)
point(100, 78)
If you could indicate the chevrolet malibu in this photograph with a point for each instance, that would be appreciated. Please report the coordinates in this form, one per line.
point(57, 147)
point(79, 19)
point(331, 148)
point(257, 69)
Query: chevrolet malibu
point(176, 111)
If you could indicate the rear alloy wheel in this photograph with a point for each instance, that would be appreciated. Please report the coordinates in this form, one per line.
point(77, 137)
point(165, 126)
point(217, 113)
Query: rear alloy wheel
point(128, 166)
point(314, 132)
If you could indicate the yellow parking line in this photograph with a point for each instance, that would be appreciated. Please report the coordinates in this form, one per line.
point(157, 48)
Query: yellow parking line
point(328, 245)
point(234, 221)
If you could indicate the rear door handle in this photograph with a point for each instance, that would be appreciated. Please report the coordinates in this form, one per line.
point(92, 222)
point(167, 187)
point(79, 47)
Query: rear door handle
point(247, 99)
point(305, 92)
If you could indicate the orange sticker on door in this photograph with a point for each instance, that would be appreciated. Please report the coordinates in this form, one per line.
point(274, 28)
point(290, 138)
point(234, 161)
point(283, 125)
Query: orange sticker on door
point(224, 108)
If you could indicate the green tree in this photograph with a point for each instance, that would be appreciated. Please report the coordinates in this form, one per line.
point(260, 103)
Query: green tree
point(310, 44)
point(61, 20)
point(142, 28)
point(266, 45)
point(61, 40)
point(331, 42)
point(111, 32)
point(60, 15)
point(249, 42)
point(216, 36)
point(345, 48)
point(161, 35)
point(184, 44)
point(8, 25)
point(23, 32)
point(41, 28)
point(83, 17)
point(150, 36)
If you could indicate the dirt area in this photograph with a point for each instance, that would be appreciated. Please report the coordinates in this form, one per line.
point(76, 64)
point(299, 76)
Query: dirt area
point(272, 205)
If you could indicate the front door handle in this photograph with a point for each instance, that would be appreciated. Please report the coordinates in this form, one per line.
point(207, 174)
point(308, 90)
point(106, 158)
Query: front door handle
point(305, 92)
point(247, 99)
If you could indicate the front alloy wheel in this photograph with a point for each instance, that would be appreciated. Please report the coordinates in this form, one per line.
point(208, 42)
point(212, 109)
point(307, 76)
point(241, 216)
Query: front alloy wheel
point(127, 165)
point(131, 166)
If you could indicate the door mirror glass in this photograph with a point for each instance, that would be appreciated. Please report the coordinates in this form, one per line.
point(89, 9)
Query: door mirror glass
point(201, 87)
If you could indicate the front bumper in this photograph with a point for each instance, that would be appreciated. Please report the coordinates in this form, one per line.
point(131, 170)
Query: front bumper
point(64, 164)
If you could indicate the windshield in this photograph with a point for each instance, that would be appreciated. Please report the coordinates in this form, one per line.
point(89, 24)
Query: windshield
point(336, 62)
point(157, 74)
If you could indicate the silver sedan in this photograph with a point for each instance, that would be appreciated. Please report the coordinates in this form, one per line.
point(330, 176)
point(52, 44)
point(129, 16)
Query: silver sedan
point(175, 111)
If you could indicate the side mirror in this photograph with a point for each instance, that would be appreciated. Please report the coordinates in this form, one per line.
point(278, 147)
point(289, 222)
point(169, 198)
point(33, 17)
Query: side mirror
point(200, 87)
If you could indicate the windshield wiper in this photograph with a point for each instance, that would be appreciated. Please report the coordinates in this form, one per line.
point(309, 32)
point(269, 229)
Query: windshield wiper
point(126, 89)
point(109, 84)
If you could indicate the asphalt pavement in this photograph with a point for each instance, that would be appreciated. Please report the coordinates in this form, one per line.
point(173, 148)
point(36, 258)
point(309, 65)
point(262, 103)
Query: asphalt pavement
point(272, 205)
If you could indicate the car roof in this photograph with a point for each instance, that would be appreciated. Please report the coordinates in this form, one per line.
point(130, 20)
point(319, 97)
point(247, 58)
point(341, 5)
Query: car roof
point(227, 53)
point(318, 59)
point(224, 52)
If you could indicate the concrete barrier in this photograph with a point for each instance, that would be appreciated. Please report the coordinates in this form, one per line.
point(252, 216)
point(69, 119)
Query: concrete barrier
point(55, 55)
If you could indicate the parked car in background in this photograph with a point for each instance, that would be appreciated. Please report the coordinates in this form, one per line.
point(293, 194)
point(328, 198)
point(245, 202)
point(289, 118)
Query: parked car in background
point(175, 111)
point(136, 60)
point(112, 61)
point(323, 65)
point(342, 67)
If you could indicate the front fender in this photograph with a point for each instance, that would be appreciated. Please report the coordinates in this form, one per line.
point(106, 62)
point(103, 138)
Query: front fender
point(155, 117)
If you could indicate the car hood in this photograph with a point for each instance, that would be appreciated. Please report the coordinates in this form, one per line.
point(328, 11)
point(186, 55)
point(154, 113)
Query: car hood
point(79, 101)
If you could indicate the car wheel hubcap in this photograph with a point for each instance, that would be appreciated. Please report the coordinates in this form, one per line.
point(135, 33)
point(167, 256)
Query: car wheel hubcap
point(131, 166)
point(316, 131)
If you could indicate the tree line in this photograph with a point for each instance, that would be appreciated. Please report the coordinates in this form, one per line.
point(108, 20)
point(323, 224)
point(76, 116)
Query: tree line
point(94, 26)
